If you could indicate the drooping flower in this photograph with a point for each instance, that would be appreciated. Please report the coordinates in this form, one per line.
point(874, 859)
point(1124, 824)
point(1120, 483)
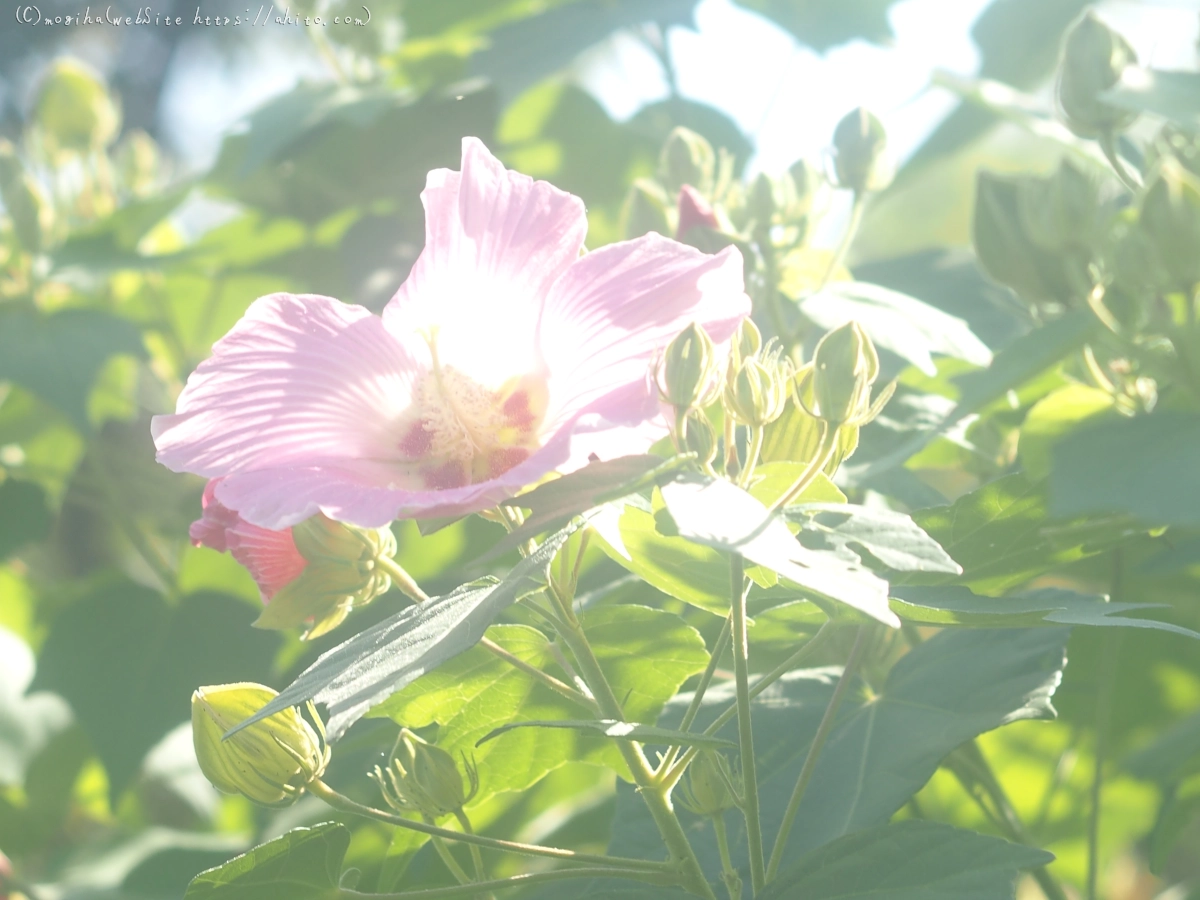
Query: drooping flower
point(504, 356)
point(309, 574)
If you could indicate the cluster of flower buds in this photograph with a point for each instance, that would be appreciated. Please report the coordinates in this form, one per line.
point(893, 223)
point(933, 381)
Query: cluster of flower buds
point(1094, 58)
point(844, 367)
point(757, 382)
point(270, 762)
point(424, 778)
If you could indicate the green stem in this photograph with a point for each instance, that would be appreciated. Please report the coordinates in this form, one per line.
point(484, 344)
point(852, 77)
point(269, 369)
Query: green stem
point(753, 449)
point(825, 451)
point(405, 582)
point(1103, 715)
point(657, 798)
point(759, 686)
point(1108, 143)
point(664, 879)
point(341, 802)
point(839, 255)
point(733, 883)
point(693, 709)
point(814, 750)
point(459, 873)
point(741, 675)
point(476, 856)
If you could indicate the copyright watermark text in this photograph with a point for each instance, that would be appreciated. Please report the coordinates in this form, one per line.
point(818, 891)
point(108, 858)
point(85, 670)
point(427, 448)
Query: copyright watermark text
point(29, 14)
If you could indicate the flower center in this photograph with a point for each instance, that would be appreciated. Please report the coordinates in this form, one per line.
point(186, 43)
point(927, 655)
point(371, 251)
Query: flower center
point(464, 432)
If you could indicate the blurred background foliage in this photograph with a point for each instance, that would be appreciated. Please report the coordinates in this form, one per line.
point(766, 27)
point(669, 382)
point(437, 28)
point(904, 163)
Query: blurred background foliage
point(125, 253)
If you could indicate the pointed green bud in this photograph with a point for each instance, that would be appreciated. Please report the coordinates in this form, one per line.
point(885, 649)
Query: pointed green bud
point(757, 389)
point(687, 158)
point(687, 374)
point(807, 185)
point(26, 205)
point(342, 574)
point(269, 762)
point(845, 365)
point(763, 200)
point(74, 109)
point(645, 210)
point(1170, 217)
point(706, 790)
point(700, 437)
point(1061, 211)
point(1093, 59)
point(747, 340)
point(860, 157)
point(423, 777)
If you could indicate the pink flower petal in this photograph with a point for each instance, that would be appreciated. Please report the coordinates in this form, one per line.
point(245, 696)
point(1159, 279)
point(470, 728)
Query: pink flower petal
point(300, 380)
point(495, 242)
point(614, 312)
point(270, 556)
point(694, 211)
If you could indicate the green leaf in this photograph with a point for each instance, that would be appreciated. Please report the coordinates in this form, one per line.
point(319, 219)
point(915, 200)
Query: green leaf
point(1043, 606)
point(128, 700)
point(1002, 535)
point(908, 327)
point(1172, 756)
point(909, 861)
point(718, 514)
point(25, 515)
point(58, 356)
point(1147, 466)
point(891, 537)
point(371, 666)
point(556, 502)
point(623, 731)
point(304, 864)
point(825, 25)
point(1055, 416)
point(646, 654)
point(27, 722)
point(1172, 95)
point(881, 750)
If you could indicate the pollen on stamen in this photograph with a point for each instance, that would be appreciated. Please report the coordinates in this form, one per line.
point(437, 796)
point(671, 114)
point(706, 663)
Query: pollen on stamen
point(417, 441)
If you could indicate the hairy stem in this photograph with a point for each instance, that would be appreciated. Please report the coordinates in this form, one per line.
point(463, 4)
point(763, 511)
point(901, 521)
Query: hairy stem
point(741, 674)
point(814, 750)
point(476, 856)
point(459, 873)
point(733, 883)
point(341, 802)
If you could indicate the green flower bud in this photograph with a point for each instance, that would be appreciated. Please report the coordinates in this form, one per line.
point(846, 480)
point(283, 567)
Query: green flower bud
point(687, 375)
point(342, 574)
point(74, 109)
point(138, 163)
point(700, 437)
point(645, 210)
point(807, 185)
point(1060, 212)
point(1170, 217)
point(757, 389)
point(845, 365)
point(269, 762)
point(27, 207)
point(860, 158)
point(687, 158)
point(423, 777)
point(763, 200)
point(1093, 58)
point(1004, 249)
point(747, 340)
point(706, 791)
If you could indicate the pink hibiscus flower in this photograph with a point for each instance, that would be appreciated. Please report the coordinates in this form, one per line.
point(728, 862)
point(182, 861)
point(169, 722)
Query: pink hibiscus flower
point(504, 356)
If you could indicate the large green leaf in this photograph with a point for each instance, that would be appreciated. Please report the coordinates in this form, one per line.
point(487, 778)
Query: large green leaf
point(881, 750)
point(949, 605)
point(908, 327)
point(128, 695)
point(1146, 466)
point(645, 653)
point(58, 356)
point(374, 664)
point(716, 513)
point(908, 861)
point(619, 730)
point(303, 864)
point(1172, 95)
point(825, 25)
point(1002, 534)
point(890, 537)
